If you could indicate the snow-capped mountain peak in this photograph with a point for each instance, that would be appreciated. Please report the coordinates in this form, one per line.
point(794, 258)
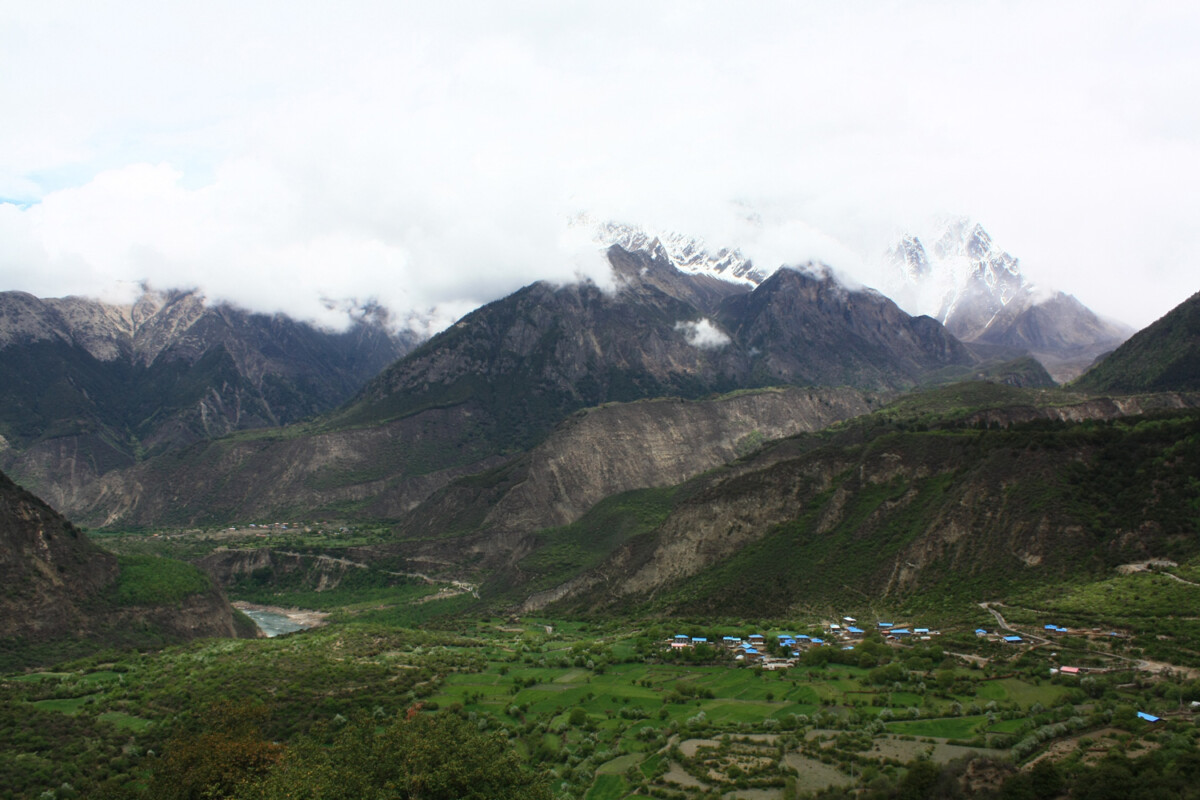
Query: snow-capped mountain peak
point(977, 290)
point(963, 280)
point(688, 254)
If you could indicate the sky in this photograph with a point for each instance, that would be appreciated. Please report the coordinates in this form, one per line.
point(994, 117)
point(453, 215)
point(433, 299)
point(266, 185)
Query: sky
point(314, 157)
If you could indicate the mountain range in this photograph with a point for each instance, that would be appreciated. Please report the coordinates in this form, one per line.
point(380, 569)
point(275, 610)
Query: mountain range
point(87, 387)
point(497, 382)
point(106, 407)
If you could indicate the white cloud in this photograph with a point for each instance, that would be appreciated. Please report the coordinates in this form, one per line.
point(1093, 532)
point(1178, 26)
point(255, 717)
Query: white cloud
point(287, 155)
point(703, 334)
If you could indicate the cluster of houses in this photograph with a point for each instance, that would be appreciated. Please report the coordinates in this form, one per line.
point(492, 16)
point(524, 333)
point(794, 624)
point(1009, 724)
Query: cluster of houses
point(753, 649)
point(1013, 638)
point(899, 633)
point(997, 636)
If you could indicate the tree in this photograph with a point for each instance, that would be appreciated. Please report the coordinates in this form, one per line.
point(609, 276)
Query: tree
point(419, 756)
point(918, 780)
point(226, 753)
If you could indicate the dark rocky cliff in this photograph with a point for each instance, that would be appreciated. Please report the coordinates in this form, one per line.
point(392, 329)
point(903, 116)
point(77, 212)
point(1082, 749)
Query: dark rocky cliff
point(48, 568)
point(58, 585)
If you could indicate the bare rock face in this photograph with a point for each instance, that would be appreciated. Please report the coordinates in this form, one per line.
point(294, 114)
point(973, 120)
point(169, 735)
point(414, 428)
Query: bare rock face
point(615, 449)
point(802, 326)
point(606, 451)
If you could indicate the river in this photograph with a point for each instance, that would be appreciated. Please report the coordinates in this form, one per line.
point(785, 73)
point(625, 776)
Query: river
point(276, 621)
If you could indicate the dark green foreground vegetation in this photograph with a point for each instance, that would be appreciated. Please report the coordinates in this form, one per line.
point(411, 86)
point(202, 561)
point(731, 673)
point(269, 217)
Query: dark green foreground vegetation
point(484, 707)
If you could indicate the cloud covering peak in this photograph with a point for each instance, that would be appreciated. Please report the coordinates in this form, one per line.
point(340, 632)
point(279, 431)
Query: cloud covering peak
point(304, 158)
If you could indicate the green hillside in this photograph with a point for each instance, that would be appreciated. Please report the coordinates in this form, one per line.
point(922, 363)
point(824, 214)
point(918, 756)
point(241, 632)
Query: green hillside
point(1163, 357)
point(914, 504)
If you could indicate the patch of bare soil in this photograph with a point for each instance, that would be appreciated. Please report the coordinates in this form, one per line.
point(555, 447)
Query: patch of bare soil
point(679, 776)
point(690, 746)
point(813, 775)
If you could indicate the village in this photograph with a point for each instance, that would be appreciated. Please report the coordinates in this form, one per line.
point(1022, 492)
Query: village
point(785, 650)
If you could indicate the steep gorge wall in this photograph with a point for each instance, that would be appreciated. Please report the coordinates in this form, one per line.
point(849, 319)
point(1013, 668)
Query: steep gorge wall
point(906, 509)
point(615, 449)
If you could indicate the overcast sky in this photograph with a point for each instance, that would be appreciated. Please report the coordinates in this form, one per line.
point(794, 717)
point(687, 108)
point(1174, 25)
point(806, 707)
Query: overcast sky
point(296, 155)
